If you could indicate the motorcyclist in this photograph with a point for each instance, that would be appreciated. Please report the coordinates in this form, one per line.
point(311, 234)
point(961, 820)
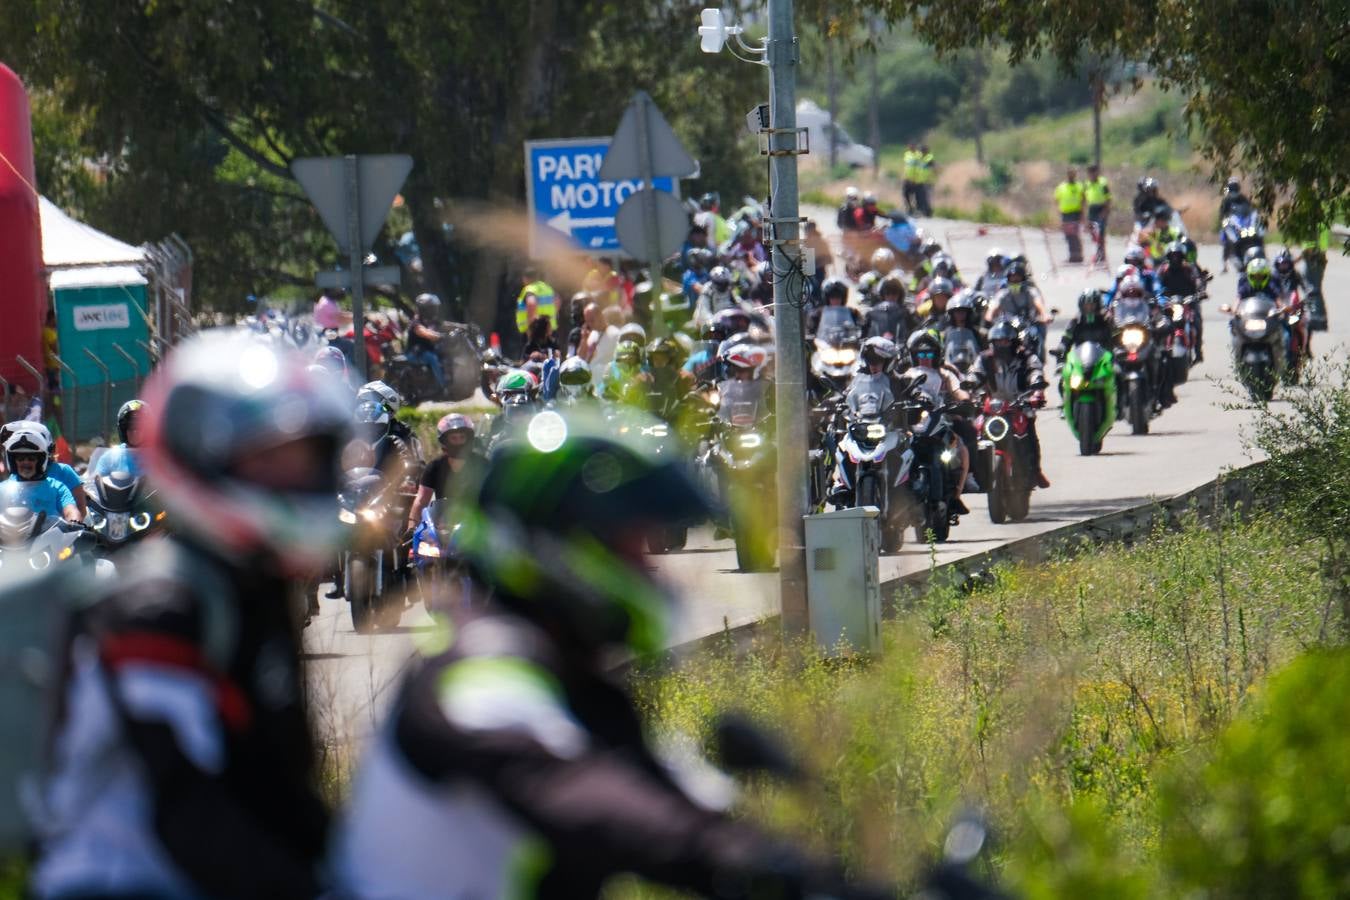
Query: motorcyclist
point(890, 317)
point(941, 384)
point(422, 343)
point(620, 381)
point(60, 471)
point(125, 457)
point(27, 454)
point(1147, 200)
point(1258, 281)
point(844, 217)
point(883, 261)
point(874, 388)
point(703, 362)
point(455, 434)
point(695, 276)
point(1017, 298)
point(932, 312)
point(835, 293)
point(994, 277)
point(1232, 200)
point(184, 763)
point(1264, 279)
point(397, 453)
point(574, 382)
point(518, 734)
point(1006, 371)
point(1179, 278)
point(865, 216)
point(1128, 293)
point(961, 320)
point(334, 362)
point(718, 294)
point(666, 384)
point(1162, 235)
point(1287, 275)
point(1090, 325)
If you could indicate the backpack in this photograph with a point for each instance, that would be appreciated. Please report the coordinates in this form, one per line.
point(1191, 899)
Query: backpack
point(843, 218)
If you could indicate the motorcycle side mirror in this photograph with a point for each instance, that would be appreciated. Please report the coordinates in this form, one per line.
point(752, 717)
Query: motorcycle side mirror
point(740, 745)
point(1054, 311)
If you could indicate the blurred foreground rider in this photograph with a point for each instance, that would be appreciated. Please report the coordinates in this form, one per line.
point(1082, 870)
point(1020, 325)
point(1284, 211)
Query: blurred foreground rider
point(184, 765)
point(514, 763)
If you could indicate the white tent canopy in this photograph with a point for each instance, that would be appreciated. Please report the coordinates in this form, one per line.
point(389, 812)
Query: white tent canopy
point(77, 255)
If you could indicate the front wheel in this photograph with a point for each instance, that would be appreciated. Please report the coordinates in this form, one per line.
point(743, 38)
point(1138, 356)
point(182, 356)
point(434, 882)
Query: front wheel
point(1181, 368)
point(1136, 402)
point(360, 590)
point(1087, 420)
point(996, 492)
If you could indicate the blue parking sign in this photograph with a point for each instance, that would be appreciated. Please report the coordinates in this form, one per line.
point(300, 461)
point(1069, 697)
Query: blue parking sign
point(567, 199)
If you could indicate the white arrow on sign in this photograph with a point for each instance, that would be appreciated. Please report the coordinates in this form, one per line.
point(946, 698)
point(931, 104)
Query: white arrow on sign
point(564, 222)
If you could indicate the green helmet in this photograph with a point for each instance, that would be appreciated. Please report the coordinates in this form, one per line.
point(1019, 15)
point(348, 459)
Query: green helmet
point(554, 526)
point(628, 356)
point(1258, 273)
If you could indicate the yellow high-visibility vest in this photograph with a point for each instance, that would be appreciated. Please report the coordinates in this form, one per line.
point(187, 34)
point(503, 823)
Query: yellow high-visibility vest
point(1069, 196)
point(1097, 192)
point(923, 172)
point(543, 296)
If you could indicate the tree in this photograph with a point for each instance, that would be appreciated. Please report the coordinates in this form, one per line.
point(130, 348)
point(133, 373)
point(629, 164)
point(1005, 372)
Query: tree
point(1264, 80)
point(199, 107)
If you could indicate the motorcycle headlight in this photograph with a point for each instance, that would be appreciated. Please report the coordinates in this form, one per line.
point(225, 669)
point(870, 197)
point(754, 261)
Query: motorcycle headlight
point(1133, 338)
point(947, 457)
point(714, 397)
point(425, 549)
point(749, 441)
point(1178, 312)
point(839, 356)
point(876, 432)
point(1254, 326)
point(995, 427)
point(347, 516)
point(140, 521)
point(1076, 381)
point(370, 514)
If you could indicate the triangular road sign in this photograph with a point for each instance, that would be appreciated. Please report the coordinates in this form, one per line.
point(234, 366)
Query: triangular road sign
point(324, 179)
point(624, 158)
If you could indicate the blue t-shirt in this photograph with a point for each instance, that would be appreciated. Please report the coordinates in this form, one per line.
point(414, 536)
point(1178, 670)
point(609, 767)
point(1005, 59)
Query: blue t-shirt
point(64, 474)
point(48, 495)
point(692, 281)
point(119, 459)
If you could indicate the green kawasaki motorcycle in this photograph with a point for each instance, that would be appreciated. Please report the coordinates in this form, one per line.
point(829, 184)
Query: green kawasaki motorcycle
point(1089, 391)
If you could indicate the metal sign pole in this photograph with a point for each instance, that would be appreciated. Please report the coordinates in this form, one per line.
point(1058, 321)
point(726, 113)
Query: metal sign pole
point(355, 264)
point(788, 292)
point(649, 211)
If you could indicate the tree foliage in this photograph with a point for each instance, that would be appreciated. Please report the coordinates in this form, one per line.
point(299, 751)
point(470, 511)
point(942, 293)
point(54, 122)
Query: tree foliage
point(197, 108)
point(1264, 79)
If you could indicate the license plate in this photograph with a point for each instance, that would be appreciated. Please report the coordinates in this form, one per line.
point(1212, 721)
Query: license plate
point(117, 526)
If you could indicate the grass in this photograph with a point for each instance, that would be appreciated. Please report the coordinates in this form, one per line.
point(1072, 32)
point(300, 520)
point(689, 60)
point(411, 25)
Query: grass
point(1136, 137)
point(1059, 691)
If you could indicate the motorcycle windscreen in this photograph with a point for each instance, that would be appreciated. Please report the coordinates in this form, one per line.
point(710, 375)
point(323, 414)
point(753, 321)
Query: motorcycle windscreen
point(743, 402)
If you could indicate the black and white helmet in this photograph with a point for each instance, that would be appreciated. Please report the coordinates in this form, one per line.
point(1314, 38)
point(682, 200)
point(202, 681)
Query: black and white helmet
point(720, 278)
point(28, 442)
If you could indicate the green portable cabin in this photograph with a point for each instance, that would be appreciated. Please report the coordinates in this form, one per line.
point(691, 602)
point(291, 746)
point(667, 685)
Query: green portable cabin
point(99, 294)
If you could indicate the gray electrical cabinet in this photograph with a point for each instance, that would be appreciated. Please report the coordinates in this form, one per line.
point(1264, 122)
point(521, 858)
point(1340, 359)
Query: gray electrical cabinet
point(843, 583)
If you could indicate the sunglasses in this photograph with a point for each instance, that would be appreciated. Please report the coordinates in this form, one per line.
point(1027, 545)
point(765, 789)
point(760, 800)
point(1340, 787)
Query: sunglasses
point(926, 354)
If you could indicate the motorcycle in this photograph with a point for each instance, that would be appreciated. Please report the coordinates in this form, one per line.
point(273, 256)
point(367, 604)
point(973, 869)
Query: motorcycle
point(1136, 359)
point(31, 541)
point(375, 566)
point(1179, 347)
point(1241, 230)
point(436, 567)
point(461, 362)
point(746, 462)
point(863, 472)
point(660, 437)
point(122, 511)
point(935, 468)
point(1089, 391)
point(1258, 344)
point(1296, 327)
point(836, 347)
point(1005, 457)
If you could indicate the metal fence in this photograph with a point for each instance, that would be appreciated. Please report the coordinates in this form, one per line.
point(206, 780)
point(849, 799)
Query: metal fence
point(84, 410)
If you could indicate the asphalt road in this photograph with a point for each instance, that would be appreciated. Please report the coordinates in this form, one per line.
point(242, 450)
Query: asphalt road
point(1187, 446)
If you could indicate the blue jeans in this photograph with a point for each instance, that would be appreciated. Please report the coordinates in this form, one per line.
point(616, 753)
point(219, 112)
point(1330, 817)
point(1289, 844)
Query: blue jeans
point(432, 360)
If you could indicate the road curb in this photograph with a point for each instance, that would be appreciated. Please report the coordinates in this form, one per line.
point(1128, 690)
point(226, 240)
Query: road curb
point(1230, 491)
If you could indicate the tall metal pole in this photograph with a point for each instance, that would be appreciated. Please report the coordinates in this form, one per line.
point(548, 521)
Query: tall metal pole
point(789, 288)
point(654, 261)
point(356, 265)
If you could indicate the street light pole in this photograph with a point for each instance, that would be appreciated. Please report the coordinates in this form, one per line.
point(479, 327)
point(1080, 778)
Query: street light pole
point(789, 288)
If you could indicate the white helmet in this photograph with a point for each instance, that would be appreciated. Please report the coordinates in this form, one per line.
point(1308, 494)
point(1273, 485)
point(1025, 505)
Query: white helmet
point(28, 442)
point(387, 395)
point(851, 193)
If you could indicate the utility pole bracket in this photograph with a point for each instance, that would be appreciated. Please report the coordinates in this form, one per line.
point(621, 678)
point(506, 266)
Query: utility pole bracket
point(801, 142)
point(779, 53)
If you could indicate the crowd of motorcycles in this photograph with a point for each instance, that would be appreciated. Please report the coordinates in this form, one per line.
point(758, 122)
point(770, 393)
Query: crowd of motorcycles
point(889, 437)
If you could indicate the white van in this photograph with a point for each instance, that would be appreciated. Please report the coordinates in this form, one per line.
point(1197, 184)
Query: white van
point(817, 123)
